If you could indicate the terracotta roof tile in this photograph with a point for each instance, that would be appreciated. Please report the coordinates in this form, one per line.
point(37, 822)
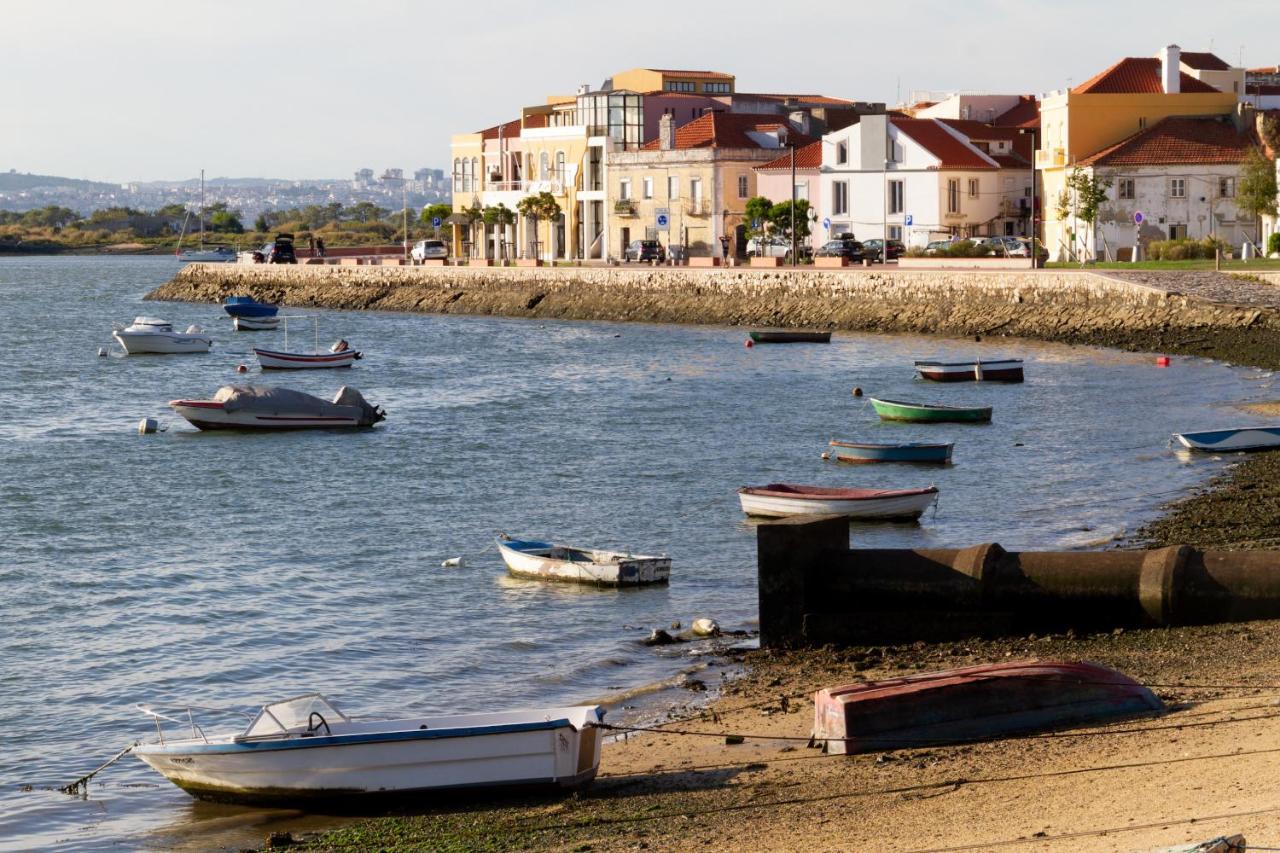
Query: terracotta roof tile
point(825, 100)
point(808, 157)
point(982, 132)
point(727, 130)
point(1136, 76)
point(1025, 114)
point(1203, 61)
point(509, 130)
point(1178, 140)
point(934, 137)
point(710, 75)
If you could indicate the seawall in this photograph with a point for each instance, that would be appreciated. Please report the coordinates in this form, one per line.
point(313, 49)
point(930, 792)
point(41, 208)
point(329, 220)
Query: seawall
point(1064, 305)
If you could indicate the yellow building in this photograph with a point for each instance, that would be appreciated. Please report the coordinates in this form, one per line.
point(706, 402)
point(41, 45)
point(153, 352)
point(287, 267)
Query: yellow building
point(689, 187)
point(668, 80)
point(1124, 99)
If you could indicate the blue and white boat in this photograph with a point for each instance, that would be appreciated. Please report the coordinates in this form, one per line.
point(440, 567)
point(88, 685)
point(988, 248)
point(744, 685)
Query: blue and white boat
point(1236, 440)
point(304, 748)
point(247, 306)
point(549, 561)
point(849, 451)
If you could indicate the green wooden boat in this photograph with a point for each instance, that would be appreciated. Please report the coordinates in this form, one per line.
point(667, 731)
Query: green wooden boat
point(896, 410)
point(789, 336)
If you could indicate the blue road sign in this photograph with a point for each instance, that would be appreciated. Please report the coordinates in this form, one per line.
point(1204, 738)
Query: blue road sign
point(435, 222)
point(1137, 217)
point(826, 223)
point(906, 220)
point(663, 220)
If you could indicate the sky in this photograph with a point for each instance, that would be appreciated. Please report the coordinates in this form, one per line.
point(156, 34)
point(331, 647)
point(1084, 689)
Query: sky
point(159, 89)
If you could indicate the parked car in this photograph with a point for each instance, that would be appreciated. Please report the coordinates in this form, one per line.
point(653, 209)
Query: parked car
point(850, 250)
point(279, 250)
point(775, 247)
point(936, 246)
point(873, 251)
point(644, 250)
point(425, 250)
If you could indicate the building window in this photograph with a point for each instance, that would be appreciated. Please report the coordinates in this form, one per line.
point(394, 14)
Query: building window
point(973, 188)
point(457, 175)
point(646, 187)
point(1178, 188)
point(1142, 123)
point(544, 167)
point(802, 191)
point(842, 153)
point(892, 151)
point(840, 198)
point(560, 166)
point(1125, 189)
point(624, 189)
point(895, 197)
point(673, 187)
point(680, 86)
point(716, 88)
point(1227, 187)
point(744, 190)
point(953, 195)
point(1178, 231)
point(695, 190)
point(895, 232)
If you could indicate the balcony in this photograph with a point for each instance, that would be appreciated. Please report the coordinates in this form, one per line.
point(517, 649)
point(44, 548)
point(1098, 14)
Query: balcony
point(1047, 158)
point(625, 207)
point(697, 207)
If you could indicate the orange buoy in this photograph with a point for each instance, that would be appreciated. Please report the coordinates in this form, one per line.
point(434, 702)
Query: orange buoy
point(857, 392)
point(1162, 361)
point(748, 343)
point(240, 368)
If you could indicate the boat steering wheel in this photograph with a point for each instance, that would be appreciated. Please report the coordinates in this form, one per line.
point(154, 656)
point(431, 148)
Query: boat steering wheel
point(313, 727)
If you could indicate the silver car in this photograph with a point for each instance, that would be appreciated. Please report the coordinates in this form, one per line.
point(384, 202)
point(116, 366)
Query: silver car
point(427, 250)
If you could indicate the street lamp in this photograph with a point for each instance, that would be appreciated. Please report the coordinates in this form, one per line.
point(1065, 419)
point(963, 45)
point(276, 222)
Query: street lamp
point(791, 143)
point(1032, 208)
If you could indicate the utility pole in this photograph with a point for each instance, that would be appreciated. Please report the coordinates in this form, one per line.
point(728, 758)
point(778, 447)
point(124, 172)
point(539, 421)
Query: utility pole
point(791, 143)
point(404, 210)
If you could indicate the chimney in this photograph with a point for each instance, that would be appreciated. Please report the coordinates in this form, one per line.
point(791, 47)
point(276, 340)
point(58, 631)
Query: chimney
point(1171, 69)
point(584, 89)
point(667, 132)
point(801, 121)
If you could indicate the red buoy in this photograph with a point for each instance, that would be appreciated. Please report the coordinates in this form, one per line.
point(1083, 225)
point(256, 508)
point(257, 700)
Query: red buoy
point(240, 368)
point(1162, 361)
point(748, 343)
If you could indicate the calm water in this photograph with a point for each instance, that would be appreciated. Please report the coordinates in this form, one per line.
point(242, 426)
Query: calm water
point(228, 569)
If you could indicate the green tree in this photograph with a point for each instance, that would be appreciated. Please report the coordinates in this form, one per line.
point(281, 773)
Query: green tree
point(758, 209)
point(52, 216)
point(780, 218)
point(499, 216)
point(172, 210)
point(366, 211)
point(1083, 199)
point(433, 211)
point(226, 222)
point(1256, 188)
point(260, 223)
point(539, 207)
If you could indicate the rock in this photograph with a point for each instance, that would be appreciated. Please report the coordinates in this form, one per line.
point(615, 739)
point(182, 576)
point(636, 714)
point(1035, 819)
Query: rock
point(280, 839)
point(659, 637)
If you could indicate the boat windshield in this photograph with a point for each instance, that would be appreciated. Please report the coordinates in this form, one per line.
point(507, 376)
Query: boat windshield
point(291, 714)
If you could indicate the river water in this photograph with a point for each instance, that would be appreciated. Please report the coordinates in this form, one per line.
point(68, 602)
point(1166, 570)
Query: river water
point(232, 569)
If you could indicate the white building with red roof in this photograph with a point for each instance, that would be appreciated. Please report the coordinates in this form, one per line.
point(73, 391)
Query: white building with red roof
point(924, 179)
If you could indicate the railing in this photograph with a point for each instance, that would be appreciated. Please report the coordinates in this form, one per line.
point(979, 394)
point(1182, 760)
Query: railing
point(697, 207)
point(553, 187)
point(624, 208)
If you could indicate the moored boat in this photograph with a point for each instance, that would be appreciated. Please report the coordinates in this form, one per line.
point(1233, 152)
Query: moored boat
point(211, 255)
point(550, 561)
point(305, 748)
point(973, 703)
point(994, 370)
point(247, 306)
point(849, 451)
point(777, 500)
point(897, 410)
point(152, 335)
point(1231, 440)
point(787, 336)
point(262, 407)
point(273, 360)
point(255, 324)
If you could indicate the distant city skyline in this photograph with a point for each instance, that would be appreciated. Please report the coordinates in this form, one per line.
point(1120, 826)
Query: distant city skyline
point(143, 90)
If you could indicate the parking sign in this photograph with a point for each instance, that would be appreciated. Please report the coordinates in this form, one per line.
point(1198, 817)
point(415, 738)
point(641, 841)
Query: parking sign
point(906, 220)
point(435, 222)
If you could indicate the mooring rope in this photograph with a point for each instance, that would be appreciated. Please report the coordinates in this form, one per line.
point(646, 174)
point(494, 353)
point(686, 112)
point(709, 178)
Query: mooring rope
point(80, 787)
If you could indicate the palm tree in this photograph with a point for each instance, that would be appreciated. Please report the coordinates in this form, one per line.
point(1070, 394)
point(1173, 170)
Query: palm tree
point(538, 207)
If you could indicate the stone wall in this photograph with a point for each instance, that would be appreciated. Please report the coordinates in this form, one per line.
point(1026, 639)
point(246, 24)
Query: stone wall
point(1047, 304)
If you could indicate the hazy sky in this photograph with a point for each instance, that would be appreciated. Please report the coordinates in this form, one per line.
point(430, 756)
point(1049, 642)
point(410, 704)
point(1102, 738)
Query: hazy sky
point(144, 89)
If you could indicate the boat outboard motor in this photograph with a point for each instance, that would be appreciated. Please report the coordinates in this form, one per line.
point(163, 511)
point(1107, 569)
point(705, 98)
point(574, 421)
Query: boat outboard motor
point(193, 329)
point(340, 346)
point(369, 415)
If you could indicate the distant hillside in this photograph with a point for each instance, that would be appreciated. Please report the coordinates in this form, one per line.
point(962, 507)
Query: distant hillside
point(16, 182)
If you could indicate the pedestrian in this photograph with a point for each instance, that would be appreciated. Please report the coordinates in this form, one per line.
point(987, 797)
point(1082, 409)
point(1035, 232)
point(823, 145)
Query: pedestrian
point(320, 246)
point(724, 247)
point(311, 244)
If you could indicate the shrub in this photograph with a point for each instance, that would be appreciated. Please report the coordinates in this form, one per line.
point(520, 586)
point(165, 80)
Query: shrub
point(1273, 244)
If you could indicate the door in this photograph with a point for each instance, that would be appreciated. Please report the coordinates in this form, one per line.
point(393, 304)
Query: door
point(624, 237)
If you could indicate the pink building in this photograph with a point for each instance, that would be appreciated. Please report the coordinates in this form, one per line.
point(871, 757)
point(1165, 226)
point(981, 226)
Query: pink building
point(773, 181)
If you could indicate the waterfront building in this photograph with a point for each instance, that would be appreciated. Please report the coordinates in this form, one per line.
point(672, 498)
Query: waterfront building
point(924, 179)
point(1130, 96)
point(773, 181)
point(689, 187)
point(1181, 175)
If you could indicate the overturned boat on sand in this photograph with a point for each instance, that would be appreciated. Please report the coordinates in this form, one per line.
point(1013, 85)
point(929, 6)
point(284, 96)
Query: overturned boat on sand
point(264, 407)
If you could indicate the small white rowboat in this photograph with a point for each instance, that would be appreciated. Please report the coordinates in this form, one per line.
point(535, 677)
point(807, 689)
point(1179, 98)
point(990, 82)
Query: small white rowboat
point(782, 499)
point(549, 561)
point(255, 324)
point(272, 360)
point(306, 749)
point(1231, 440)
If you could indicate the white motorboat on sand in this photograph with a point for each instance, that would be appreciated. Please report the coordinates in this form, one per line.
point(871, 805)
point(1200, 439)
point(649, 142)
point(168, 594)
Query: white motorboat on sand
point(263, 407)
point(304, 748)
point(550, 561)
point(151, 335)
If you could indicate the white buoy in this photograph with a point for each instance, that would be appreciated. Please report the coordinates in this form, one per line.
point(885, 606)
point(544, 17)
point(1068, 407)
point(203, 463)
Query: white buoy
point(146, 426)
point(705, 627)
point(102, 352)
point(453, 563)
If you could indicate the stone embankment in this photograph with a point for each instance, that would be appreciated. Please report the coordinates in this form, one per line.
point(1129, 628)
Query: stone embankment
point(1062, 305)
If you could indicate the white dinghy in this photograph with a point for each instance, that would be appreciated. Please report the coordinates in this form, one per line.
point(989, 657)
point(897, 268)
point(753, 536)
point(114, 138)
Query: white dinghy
point(538, 560)
point(151, 335)
point(304, 748)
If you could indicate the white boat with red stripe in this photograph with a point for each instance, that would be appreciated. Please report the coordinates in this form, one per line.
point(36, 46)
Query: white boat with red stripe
point(778, 500)
point(339, 355)
point(262, 407)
